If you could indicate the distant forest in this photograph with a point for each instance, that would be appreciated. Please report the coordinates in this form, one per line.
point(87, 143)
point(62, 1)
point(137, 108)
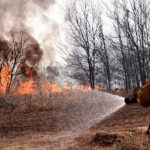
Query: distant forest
point(118, 59)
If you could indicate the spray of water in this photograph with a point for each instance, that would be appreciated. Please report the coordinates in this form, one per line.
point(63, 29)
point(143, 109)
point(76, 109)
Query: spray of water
point(91, 108)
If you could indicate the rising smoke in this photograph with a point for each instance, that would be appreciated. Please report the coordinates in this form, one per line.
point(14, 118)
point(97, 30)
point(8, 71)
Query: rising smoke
point(33, 17)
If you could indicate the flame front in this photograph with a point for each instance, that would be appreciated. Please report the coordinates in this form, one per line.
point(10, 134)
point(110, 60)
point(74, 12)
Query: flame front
point(66, 87)
point(30, 87)
point(30, 74)
point(27, 87)
point(47, 87)
point(97, 88)
point(5, 79)
point(84, 88)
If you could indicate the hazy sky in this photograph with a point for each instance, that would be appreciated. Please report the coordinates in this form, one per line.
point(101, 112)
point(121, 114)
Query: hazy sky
point(49, 30)
point(42, 20)
point(58, 15)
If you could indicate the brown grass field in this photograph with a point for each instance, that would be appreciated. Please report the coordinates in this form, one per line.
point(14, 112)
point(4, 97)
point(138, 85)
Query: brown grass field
point(71, 121)
point(123, 130)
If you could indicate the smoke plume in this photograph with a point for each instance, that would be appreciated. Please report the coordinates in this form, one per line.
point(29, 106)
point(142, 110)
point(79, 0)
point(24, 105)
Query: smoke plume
point(33, 17)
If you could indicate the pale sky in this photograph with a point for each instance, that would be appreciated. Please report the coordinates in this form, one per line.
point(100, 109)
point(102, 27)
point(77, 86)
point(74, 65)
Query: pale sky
point(46, 27)
point(58, 15)
point(40, 29)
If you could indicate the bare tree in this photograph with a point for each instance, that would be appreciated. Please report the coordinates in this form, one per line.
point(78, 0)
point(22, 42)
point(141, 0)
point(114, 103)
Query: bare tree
point(103, 54)
point(91, 51)
point(19, 51)
point(131, 24)
point(88, 46)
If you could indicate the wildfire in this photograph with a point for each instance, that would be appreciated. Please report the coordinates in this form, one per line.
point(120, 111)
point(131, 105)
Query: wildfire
point(30, 74)
point(82, 88)
point(47, 87)
point(5, 79)
point(97, 88)
point(87, 88)
point(30, 87)
point(66, 87)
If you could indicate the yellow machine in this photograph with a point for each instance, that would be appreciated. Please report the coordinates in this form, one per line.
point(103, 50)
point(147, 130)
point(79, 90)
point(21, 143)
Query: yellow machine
point(144, 94)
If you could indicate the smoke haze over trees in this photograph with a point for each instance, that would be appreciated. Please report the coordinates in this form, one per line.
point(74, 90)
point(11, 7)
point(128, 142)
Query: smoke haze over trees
point(89, 48)
point(35, 17)
point(94, 55)
point(28, 35)
point(19, 53)
point(120, 58)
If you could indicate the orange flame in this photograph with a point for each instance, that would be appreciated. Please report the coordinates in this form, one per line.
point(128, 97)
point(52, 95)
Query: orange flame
point(51, 87)
point(29, 73)
point(97, 88)
point(5, 79)
point(87, 88)
point(66, 87)
point(27, 87)
point(82, 88)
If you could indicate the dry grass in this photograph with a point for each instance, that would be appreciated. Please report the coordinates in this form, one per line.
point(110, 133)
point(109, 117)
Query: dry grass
point(46, 121)
point(40, 122)
point(128, 125)
point(38, 102)
point(36, 121)
point(134, 139)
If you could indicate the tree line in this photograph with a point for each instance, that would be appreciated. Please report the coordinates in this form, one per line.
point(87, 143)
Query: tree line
point(117, 59)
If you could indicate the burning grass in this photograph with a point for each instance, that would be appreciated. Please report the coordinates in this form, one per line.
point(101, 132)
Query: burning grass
point(5, 79)
point(34, 95)
point(33, 86)
point(33, 89)
point(43, 107)
point(38, 107)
